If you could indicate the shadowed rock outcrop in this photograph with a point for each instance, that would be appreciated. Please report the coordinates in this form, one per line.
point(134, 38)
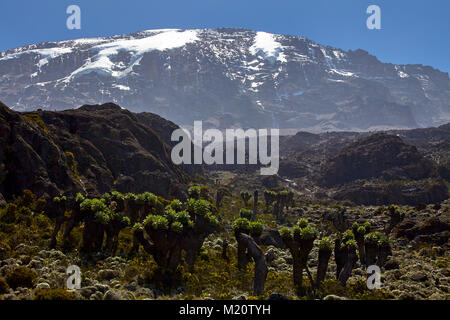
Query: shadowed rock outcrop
point(93, 149)
point(432, 230)
point(380, 156)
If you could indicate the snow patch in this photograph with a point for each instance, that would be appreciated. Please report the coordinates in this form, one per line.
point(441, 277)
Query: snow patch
point(342, 72)
point(402, 74)
point(266, 46)
point(161, 41)
point(121, 87)
point(102, 64)
point(338, 54)
point(258, 102)
point(45, 54)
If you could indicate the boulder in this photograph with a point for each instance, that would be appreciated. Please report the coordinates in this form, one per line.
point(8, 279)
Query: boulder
point(334, 297)
point(43, 285)
point(112, 295)
point(108, 274)
point(277, 297)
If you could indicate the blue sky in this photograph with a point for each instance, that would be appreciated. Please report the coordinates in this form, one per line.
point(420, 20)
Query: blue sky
point(413, 31)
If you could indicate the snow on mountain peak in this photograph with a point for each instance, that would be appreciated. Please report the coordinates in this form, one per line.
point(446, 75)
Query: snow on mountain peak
point(266, 46)
point(162, 40)
point(46, 53)
point(225, 75)
point(165, 40)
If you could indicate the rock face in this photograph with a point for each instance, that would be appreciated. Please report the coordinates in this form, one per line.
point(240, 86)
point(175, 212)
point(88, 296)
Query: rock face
point(93, 149)
point(227, 77)
point(399, 192)
point(30, 158)
point(382, 169)
point(380, 156)
point(433, 230)
point(397, 166)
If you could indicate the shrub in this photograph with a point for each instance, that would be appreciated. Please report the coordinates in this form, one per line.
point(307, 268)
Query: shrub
point(285, 233)
point(138, 226)
point(3, 286)
point(212, 220)
point(39, 205)
point(308, 233)
point(21, 277)
point(241, 225)
point(130, 197)
point(27, 199)
point(256, 228)
point(176, 205)
point(42, 221)
point(79, 198)
point(204, 192)
point(326, 244)
point(116, 195)
point(177, 227)
point(351, 243)
point(246, 213)
point(102, 217)
point(384, 241)
point(269, 197)
point(119, 217)
point(198, 207)
point(361, 230)
point(148, 198)
point(59, 199)
point(296, 230)
point(106, 196)
point(156, 222)
point(194, 192)
point(93, 205)
point(36, 119)
point(245, 195)
point(54, 294)
point(302, 222)
point(183, 217)
point(8, 214)
point(372, 237)
point(348, 235)
point(170, 214)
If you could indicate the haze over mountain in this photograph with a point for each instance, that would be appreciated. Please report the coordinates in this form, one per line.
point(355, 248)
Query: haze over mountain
point(227, 78)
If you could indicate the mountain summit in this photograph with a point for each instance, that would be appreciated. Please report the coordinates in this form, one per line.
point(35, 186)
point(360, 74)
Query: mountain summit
point(227, 78)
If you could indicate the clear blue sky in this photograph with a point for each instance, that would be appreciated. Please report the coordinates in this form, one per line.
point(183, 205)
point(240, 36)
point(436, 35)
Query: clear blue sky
point(413, 31)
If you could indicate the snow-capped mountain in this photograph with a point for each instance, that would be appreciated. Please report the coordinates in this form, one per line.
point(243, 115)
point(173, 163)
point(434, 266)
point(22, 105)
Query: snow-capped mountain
point(227, 78)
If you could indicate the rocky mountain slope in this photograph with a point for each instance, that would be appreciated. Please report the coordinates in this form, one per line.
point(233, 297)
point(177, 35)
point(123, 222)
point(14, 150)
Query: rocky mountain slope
point(378, 156)
point(93, 150)
point(227, 77)
point(398, 166)
point(314, 151)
